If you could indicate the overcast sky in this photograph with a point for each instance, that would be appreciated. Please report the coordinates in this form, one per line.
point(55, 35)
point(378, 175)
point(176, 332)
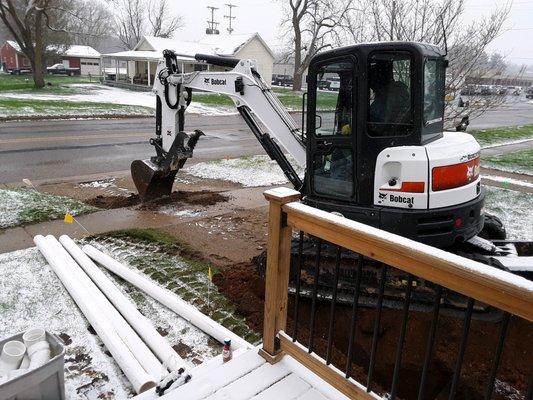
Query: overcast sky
point(264, 16)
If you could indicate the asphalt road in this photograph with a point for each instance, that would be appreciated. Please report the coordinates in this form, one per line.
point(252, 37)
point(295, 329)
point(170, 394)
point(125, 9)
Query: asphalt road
point(41, 150)
point(55, 149)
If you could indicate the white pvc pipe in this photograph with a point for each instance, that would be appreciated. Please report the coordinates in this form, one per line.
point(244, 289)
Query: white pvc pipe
point(167, 298)
point(11, 356)
point(139, 322)
point(137, 347)
point(138, 377)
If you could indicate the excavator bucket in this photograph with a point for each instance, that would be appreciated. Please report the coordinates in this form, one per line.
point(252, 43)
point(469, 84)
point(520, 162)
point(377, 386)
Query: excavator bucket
point(151, 182)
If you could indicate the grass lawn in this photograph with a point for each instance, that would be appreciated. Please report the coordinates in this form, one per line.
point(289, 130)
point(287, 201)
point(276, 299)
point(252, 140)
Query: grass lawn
point(488, 137)
point(11, 108)
point(22, 206)
point(9, 83)
point(291, 100)
point(170, 263)
point(519, 161)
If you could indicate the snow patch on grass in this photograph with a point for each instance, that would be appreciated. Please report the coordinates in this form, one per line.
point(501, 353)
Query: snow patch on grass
point(510, 181)
point(102, 184)
point(252, 171)
point(21, 206)
point(104, 95)
point(514, 209)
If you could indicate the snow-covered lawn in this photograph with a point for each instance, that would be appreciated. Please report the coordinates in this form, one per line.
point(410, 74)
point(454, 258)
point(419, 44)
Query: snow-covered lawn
point(252, 171)
point(514, 209)
point(31, 295)
point(84, 94)
point(21, 206)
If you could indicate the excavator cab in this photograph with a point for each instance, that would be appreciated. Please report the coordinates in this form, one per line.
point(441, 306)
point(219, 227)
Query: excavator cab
point(371, 134)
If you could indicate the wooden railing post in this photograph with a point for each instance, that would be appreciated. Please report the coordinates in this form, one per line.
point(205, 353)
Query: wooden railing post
point(277, 272)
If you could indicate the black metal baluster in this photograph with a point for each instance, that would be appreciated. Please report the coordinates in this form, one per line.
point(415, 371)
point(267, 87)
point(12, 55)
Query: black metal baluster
point(529, 393)
point(497, 355)
point(333, 305)
point(354, 315)
point(430, 342)
point(315, 295)
point(401, 339)
point(377, 323)
point(297, 293)
point(462, 347)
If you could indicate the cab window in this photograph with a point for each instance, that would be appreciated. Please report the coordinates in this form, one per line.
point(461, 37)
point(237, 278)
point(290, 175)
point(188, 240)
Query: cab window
point(433, 91)
point(334, 99)
point(389, 94)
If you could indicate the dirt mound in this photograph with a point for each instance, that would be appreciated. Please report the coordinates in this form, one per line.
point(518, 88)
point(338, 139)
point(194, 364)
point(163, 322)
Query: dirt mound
point(202, 198)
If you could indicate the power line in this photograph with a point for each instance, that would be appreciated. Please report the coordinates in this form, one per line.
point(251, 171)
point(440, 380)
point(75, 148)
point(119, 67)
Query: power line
point(230, 17)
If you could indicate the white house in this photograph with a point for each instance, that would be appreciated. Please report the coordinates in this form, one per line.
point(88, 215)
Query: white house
point(137, 67)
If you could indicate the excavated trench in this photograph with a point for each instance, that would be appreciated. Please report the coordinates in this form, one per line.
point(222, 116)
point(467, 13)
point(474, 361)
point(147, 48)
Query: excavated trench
point(201, 198)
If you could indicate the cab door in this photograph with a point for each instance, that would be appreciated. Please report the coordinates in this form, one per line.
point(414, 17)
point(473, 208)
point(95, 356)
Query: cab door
point(331, 131)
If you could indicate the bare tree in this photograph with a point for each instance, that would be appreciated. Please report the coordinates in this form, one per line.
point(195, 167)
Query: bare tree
point(136, 18)
point(436, 22)
point(162, 23)
point(95, 23)
point(312, 25)
point(130, 22)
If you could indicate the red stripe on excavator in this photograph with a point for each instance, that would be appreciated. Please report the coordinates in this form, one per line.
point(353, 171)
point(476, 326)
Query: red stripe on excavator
point(453, 176)
point(410, 187)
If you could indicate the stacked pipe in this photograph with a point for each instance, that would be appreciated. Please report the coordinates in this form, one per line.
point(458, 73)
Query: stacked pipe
point(99, 315)
point(97, 298)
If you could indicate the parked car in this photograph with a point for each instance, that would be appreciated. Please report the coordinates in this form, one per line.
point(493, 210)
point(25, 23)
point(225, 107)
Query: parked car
point(334, 83)
point(529, 93)
point(282, 80)
point(20, 71)
point(60, 69)
point(323, 84)
point(456, 114)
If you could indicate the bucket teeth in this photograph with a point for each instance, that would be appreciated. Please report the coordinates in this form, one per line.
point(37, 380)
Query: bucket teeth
point(150, 181)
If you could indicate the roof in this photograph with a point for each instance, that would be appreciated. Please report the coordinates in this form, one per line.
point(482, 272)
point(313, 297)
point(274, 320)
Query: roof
point(81, 51)
point(15, 45)
point(73, 51)
point(143, 55)
point(222, 45)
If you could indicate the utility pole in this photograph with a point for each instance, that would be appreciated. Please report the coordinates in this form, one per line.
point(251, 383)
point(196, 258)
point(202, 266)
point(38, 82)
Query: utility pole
point(212, 25)
point(230, 17)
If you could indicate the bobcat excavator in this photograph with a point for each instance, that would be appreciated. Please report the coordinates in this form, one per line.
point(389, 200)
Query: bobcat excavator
point(376, 154)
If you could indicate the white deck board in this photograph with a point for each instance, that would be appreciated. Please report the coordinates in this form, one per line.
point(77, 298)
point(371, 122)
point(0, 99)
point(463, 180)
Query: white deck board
point(251, 384)
point(218, 377)
point(250, 377)
point(312, 394)
point(288, 388)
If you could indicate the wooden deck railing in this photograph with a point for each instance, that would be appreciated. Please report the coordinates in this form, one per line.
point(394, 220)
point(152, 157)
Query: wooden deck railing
point(478, 283)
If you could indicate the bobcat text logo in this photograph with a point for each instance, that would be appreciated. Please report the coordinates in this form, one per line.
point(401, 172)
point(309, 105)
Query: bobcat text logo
point(214, 81)
point(401, 199)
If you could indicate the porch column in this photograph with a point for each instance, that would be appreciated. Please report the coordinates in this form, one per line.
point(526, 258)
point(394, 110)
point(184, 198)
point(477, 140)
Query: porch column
point(149, 83)
point(116, 69)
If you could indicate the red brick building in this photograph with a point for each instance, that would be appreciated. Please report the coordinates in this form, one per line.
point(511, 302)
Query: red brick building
point(12, 57)
point(85, 58)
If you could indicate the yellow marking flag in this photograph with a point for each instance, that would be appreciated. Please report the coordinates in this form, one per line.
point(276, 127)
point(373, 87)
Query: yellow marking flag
point(69, 219)
point(210, 274)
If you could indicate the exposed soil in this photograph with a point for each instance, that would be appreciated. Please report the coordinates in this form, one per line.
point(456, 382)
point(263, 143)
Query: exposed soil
point(202, 198)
